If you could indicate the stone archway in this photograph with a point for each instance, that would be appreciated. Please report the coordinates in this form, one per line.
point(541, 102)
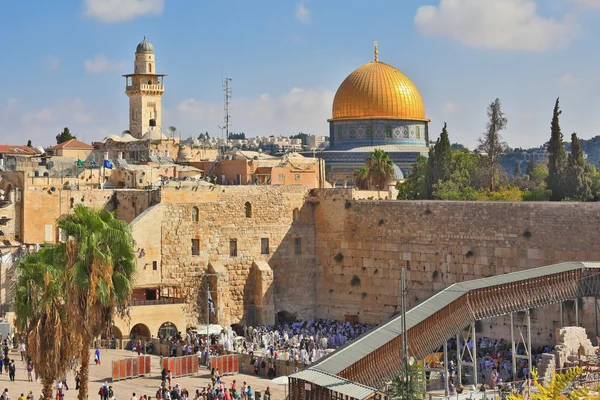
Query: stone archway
point(140, 331)
point(167, 330)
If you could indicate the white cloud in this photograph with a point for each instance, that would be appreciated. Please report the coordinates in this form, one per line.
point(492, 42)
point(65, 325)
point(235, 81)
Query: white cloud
point(101, 63)
point(9, 107)
point(496, 24)
point(52, 62)
point(449, 107)
point(122, 10)
point(302, 13)
point(567, 79)
point(588, 4)
point(298, 110)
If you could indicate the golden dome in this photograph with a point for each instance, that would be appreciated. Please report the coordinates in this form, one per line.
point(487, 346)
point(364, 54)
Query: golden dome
point(378, 90)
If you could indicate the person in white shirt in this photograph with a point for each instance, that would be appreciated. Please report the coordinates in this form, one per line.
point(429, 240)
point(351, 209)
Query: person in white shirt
point(133, 397)
point(22, 349)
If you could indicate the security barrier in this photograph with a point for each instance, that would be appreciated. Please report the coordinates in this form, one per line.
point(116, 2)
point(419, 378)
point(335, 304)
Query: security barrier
point(181, 366)
point(228, 364)
point(130, 368)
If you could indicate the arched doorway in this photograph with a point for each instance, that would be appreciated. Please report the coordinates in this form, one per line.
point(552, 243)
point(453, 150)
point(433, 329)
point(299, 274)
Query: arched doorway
point(139, 331)
point(167, 330)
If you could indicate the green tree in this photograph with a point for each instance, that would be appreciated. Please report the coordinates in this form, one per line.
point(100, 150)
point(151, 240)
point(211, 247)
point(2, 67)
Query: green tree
point(64, 136)
point(361, 178)
point(557, 161)
point(412, 389)
point(518, 170)
point(459, 186)
point(414, 186)
point(100, 271)
point(41, 314)
point(491, 144)
point(29, 143)
point(302, 136)
point(440, 158)
point(578, 177)
point(380, 168)
point(530, 166)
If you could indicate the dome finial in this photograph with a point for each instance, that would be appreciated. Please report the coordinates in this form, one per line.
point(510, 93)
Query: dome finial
point(376, 51)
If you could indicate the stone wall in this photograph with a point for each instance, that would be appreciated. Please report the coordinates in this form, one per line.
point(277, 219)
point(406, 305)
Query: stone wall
point(363, 244)
point(277, 213)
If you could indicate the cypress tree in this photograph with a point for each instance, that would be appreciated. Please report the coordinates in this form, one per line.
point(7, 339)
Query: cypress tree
point(518, 170)
point(557, 160)
point(438, 164)
point(579, 182)
point(531, 167)
point(443, 156)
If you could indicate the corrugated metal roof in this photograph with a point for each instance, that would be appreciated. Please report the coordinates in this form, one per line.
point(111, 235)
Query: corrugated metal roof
point(335, 383)
point(354, 351)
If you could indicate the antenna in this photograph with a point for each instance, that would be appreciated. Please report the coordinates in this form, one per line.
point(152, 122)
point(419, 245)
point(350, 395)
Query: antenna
point(227, 90)
point(171, 130)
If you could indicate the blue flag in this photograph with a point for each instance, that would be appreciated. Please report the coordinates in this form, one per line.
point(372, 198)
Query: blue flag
point(108, 164)
point(94, 162)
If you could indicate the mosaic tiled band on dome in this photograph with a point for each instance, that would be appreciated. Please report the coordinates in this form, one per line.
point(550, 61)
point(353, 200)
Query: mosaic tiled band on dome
point(376, 106)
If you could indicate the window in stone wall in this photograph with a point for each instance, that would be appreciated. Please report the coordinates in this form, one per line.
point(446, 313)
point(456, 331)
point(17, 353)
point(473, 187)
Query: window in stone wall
point(195, 247)
point(297, 177)
point(233, 247)
point(295, 214)
point(297, 245)
point(264, 246)
point(195, 214)
point(248, 210)
point(154, 265)
point(281, 177)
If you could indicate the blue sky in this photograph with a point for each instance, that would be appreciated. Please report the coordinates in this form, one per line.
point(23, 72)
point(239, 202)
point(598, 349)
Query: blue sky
point(63, 63)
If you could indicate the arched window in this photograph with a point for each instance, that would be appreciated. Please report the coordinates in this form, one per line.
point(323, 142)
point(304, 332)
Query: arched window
point(295, 214)
point(248, 209)
point(195, 214)
point(150, 67)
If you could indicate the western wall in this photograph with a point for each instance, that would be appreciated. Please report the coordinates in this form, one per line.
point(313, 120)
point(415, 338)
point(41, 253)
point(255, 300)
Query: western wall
point(363, 244)
point(350, 251)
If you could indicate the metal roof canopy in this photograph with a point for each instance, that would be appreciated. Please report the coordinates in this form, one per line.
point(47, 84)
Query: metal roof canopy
point(438, 318)
point(335, 383)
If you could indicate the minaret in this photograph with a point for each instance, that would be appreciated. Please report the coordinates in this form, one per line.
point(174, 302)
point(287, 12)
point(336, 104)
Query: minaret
point(145, 89)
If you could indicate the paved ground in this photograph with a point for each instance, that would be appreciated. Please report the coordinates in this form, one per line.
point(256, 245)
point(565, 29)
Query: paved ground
point(124, 389)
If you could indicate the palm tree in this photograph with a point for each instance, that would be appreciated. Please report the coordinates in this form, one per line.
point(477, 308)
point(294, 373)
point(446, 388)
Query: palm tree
point(100, 268)
point(361, 178)
point(380, 168)
point(41, 314)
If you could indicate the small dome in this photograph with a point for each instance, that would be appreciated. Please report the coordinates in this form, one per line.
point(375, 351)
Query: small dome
point(112, 137)
point(127, 138)
point(144, 47)
point(40, 149)
point(398, 175)
point(154, 135)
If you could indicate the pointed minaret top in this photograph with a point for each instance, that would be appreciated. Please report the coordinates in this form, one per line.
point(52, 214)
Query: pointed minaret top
point(376, 51)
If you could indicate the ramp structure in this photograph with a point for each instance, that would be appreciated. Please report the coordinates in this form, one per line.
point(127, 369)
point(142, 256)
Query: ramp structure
point(363, 366)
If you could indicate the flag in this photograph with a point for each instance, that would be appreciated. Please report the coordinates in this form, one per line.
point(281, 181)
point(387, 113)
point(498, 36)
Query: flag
point(108, 164)
point(80, 163)
point(94, 162)
point(211, 303)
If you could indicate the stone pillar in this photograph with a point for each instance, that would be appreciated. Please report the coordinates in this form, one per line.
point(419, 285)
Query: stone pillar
point(264, 301)
point(219, 287)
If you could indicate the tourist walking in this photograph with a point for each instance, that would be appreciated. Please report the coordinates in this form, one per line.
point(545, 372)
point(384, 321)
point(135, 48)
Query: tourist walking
point(30, 371)
point(11, 370)
point(23, 352)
